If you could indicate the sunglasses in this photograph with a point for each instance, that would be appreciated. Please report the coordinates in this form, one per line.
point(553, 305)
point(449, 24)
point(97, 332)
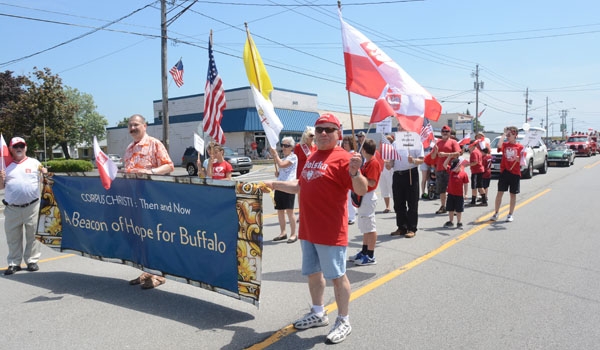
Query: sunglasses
point(20, 145)
point(311, 135)
point(320, 129)
point(445, 132)
point(285, 145)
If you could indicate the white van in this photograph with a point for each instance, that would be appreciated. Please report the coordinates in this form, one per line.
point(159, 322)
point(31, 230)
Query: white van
point(537, 156)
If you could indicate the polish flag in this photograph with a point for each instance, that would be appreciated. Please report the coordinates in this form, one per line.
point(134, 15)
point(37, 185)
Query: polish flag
point(465, 140)
point(106, 167)
point(4, 153)
point(371, 73)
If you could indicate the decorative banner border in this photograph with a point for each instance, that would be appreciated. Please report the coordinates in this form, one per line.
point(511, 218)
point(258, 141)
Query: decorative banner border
point(180, 227)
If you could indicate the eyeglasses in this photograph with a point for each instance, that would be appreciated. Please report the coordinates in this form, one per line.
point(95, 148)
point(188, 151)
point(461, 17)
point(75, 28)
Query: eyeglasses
point(20, 145)
point(320, 129)
point(285, 145)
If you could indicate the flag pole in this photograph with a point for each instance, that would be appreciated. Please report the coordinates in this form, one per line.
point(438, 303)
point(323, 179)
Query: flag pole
point(349, 98)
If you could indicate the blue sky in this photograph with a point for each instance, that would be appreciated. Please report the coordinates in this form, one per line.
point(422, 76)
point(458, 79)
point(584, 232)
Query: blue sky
point(550, 47)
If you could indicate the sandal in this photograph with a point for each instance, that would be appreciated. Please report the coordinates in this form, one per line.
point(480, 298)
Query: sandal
point(141, 279)
point(153, 282)
point(386, 211)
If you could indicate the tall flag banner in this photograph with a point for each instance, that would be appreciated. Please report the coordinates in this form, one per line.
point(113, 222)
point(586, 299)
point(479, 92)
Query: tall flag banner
point(177, 73)
point(269, 120)
point(426, 133)
point(214, 100)
point(261, 86)
point(371, 73)
point(6, 157)
point(106, 167)
point(255, 69)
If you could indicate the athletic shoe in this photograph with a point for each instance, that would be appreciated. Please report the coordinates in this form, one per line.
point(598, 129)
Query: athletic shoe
point(494, 217)
point(459, 225)
point(357, 256)
point(365, 260)
point(509, 218)
point(311, 320)
point(449, 224)
point(424, 196)
point(340, 330)
point(351, 222)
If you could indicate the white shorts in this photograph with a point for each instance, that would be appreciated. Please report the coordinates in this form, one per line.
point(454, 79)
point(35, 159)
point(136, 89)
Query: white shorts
point(366, 213)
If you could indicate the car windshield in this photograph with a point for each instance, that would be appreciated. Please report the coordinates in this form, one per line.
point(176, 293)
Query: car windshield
point(558, 147)
point(228, 152)
point(577, 139)
point(114, 156)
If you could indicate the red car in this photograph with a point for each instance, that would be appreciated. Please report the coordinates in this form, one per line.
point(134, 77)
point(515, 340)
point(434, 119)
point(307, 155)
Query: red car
point(582, 145)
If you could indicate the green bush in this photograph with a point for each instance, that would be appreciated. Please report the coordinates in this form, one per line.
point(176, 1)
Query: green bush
point(69, 166)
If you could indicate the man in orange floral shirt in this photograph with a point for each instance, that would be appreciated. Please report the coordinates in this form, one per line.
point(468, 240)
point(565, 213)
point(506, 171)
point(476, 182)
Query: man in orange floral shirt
point(146, 155)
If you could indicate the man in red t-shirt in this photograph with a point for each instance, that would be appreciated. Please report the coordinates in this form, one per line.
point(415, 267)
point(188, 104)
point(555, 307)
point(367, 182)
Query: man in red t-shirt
point(323, 184)
point(444, 148)
point(510, 171)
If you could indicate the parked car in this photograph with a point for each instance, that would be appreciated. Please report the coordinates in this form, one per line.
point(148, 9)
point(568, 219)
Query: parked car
point(560, 154)
point(117, 160)
point(536, 158)
point(241, 164)
point(582, 145)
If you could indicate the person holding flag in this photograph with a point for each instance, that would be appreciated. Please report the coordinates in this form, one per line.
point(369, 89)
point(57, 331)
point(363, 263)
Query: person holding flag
point(21, 181)
point(324, 183)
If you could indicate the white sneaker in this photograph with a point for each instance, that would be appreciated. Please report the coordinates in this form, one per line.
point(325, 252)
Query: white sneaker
point(311, 320)
point(494, 217)
point(340, 330)
point(509, 218)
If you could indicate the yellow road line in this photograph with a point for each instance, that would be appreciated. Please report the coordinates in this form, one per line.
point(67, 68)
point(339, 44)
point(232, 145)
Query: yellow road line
point(589, 166)
point(483, 222)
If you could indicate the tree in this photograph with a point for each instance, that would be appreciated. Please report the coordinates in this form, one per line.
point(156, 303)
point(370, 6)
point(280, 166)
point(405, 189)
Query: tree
point(11, 90)
point(124, 122)
point(89, 122)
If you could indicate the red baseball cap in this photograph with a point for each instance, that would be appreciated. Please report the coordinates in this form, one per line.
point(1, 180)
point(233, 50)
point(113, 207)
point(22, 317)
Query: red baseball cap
point(446, 128)
point(328, 118)
point(17, 140)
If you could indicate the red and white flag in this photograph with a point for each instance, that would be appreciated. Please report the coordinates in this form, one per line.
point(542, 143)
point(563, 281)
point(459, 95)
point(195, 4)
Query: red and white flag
point(465, 140)
point(4, 154)
point(480, 113)
point(106, 167)
point(214, 100)
point(371, 73)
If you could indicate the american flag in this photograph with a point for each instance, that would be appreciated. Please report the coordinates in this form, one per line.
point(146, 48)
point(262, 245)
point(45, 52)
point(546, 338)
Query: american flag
point(214, 100)
point(177, 73)
point(387, 150)
point(426, 133)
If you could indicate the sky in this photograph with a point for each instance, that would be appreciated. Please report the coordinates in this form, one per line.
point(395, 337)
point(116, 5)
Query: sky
point(544, 52)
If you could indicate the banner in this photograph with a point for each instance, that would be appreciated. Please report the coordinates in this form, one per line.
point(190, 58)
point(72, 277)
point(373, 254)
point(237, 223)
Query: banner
point(203, 232)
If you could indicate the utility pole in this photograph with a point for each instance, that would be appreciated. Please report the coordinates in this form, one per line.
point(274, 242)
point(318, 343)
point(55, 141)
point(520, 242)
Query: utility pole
point(563, 122)
point(527, 103)
point(163, 72)
point(547, 139)
point(478, 85)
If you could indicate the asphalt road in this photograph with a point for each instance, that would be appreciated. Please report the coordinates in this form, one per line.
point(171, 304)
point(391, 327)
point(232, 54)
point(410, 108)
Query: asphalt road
point(529, 284)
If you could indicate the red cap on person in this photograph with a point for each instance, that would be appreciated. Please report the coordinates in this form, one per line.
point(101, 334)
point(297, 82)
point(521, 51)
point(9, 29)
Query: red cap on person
point(17, 140)
point(446, 128)
point(328, 118)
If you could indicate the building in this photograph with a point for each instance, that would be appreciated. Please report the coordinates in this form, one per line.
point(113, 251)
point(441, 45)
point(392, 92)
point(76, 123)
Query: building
point(240, 122)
